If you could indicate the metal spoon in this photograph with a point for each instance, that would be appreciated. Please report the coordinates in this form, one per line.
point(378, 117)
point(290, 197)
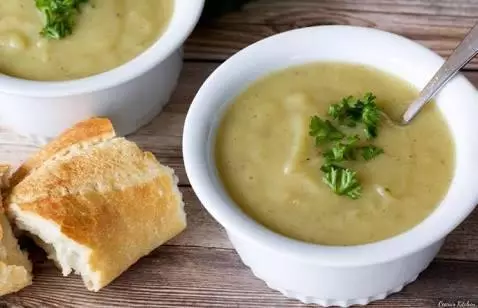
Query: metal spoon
point(467, 49)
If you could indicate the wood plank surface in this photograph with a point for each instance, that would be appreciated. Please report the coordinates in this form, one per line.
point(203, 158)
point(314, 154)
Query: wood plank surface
point(204, 277)
point(199, 268)
point(437, 24)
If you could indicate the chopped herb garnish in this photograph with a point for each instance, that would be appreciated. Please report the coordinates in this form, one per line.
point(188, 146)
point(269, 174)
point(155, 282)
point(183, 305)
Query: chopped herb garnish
point(59, 17)
point(342, 150)
point(369, 152)
point(370, 116)
point(349, 112)
point(323, 131)
point(342, 181)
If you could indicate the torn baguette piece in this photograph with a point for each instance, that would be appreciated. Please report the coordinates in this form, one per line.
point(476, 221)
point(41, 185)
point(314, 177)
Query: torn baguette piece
point(96, 207)
point(15, 268)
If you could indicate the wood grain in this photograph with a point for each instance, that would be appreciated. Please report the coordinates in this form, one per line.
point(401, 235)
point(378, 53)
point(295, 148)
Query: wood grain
point(439, 25)
point(203, 277)
point(202, 230)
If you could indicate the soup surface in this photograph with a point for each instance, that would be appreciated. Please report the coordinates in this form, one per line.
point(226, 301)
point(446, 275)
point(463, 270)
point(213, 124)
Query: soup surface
point(107, 33)
point(271, 167)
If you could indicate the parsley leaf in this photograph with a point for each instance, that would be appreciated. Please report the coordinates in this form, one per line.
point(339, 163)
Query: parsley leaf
point(369, 152)
point(351, 111)
point(342, 181)
point(59, 17)
point(370, 116)
point(323, 131)
point(343, 150)
point(348, 112)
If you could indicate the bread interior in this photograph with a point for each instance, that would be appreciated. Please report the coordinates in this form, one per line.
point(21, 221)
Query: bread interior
point(66, 253)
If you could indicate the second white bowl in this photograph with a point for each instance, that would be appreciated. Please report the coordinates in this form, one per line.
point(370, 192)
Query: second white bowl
point(131, 95)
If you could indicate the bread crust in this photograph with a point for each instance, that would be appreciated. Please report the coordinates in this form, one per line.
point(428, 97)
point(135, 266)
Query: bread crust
point(110, 197)
point(85, 132)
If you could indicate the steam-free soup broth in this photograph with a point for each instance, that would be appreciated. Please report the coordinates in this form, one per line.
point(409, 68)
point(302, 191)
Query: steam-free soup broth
point(271, 166)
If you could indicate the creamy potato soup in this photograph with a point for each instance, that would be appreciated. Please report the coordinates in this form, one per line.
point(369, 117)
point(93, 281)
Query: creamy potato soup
point(271, 166)
point(106, 34)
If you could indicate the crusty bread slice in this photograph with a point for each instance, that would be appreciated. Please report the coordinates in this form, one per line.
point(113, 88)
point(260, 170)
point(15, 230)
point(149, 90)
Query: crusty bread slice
point(97, 209)
point(15, 268)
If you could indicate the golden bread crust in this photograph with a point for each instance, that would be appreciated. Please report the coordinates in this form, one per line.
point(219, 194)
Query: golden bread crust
point(88, 131)
point(102, 167)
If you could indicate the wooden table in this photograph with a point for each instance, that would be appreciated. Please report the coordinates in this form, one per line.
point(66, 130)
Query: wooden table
point(199, 268)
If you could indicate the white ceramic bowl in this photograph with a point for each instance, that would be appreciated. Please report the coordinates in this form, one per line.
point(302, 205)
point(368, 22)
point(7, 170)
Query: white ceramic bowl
point(333, 275)
point(131, 95)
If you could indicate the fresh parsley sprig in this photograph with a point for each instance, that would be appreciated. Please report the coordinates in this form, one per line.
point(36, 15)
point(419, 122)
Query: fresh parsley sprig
point(349, 112)
point(323, 131)
point(342, 150)
point(59, 16)
point(342, 181)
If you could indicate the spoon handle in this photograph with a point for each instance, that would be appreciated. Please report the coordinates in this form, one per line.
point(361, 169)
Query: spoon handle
point(467, 49)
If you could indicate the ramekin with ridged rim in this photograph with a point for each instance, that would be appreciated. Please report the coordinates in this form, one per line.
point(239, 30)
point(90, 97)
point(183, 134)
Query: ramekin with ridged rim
point(333, 275)
point(131, 95)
